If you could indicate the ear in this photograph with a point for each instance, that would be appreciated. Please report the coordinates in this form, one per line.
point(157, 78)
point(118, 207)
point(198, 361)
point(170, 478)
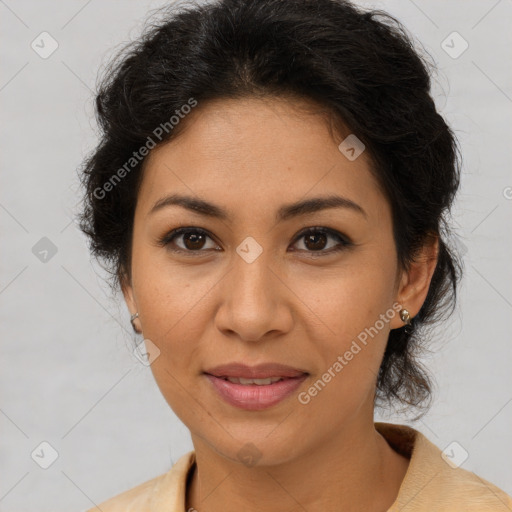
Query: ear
point(415, 282)
point(129, 296)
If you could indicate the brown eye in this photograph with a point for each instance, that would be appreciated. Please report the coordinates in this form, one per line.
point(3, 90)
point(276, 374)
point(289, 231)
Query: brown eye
point(192, 239)
point(317, 239)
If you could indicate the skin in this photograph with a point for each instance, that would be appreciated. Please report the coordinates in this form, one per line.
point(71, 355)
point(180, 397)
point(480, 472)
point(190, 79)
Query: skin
point(250, 157)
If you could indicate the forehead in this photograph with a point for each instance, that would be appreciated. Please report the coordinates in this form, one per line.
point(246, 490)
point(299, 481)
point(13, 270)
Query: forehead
point(255, 155)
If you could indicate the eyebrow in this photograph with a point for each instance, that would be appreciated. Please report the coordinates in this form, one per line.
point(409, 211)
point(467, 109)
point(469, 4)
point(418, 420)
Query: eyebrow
point(285, 212)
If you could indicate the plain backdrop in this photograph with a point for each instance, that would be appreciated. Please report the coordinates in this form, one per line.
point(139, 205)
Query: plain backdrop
point(68, 376)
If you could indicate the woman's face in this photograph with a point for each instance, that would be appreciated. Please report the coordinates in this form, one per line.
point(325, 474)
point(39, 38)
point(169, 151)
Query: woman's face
point(252, 286)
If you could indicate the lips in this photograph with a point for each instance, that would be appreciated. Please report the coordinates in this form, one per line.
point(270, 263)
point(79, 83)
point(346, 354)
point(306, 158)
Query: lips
point(280, 382)
point(255, 397)
point(260, 371)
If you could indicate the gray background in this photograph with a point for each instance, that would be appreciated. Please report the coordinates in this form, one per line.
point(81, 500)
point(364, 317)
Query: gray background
point(68, 376)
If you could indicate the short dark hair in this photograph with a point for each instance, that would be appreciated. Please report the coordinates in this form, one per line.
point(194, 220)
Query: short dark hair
point(359, 65)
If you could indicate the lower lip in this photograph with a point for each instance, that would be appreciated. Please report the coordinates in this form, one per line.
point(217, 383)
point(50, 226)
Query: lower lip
point(253, 397)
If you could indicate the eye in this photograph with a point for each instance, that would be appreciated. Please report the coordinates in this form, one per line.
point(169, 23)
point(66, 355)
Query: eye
point(192, 239)
point(315, 241)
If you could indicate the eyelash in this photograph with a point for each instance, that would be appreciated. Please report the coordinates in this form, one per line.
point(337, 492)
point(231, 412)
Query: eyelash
point(344, 242)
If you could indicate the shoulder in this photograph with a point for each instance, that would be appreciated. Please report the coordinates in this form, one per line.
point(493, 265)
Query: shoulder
point(166, 491)
point(434, 482)
point(454, 488)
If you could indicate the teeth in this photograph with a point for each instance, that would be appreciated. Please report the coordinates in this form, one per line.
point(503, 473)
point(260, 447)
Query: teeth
point(259, 382)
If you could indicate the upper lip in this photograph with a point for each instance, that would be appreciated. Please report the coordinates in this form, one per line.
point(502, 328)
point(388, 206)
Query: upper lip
point(260, 371)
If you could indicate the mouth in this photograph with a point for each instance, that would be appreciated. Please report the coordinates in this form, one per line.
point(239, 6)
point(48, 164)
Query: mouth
point(256, 373)
point(255, 394)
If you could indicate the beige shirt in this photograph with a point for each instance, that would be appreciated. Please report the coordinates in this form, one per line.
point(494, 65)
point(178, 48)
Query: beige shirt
point(430, 484)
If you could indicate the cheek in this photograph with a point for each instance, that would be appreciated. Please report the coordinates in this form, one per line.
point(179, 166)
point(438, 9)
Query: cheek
point(347, 300)
point(348, 332)
point(168, 294)
point(348, 369)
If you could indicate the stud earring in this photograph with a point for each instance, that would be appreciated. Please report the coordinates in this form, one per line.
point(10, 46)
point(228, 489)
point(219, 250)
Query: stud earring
point(405, 316)
point(132, 318)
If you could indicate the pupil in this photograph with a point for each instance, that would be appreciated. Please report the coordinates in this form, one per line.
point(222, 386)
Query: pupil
point(194, 238)
point(312, 237)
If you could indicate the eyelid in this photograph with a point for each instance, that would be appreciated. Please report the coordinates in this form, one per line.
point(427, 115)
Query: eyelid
point(325, 230)
point(174, 233)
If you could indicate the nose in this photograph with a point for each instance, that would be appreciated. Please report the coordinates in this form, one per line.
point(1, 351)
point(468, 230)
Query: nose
point(255, 301)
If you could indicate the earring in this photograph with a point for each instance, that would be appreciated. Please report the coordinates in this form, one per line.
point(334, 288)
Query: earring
point(405, 316)
point(132, 318)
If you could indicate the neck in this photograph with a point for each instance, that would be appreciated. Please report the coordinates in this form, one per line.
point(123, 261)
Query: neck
point(355, 471)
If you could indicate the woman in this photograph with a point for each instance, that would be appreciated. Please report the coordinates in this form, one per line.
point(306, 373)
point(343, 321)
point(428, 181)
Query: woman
point(270, 192)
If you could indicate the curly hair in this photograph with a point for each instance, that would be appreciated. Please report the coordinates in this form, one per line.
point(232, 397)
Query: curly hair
point(360, 65)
